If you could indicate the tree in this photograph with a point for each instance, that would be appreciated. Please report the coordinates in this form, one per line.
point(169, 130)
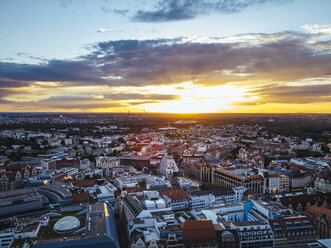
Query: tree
point(63, 142)
point(44, 142)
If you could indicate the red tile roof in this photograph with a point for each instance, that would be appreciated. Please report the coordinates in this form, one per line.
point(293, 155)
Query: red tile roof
point(85, 183)
point(316, 211)
point(176, 195)
point(198, 232)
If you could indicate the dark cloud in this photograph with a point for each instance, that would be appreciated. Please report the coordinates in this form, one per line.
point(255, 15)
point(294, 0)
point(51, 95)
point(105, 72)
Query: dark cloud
point(12, 84)
point(286, 56)
point(289, 95)
point(142, 102)
point(305, 94)
point(76, 102)
point(54, 71)
point(295, 94)
point(282, 56)
point(109, 100)
point(114, 97)
point(136, 96)
point(174, 10)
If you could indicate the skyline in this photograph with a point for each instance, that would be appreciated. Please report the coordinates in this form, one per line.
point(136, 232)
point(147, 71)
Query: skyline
point(242, 56)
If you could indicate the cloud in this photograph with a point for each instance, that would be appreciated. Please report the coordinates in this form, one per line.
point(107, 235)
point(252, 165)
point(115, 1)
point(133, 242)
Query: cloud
point(175, 10)
point(285, 56)
point(288, 95)
point(74, 71)
point(102, 30)
point(274, 57)
point(76, 102)
point(136, 96)
point(143, 102)
point(267, 64)
point(295, 94)
point(317, 29)
point(12, 84)
point(103, 101)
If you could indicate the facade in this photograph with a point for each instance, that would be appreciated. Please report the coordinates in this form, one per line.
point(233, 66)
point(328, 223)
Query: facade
point(227, 238)
point(230, 179)
point(199, 171)
point(192, 158)
point(67, 163)
point(12, 176)
point(297, 179)
point(253, 234)
point(107, 194)
point(56, 193)
point(48, 164)
point(271, 182)
point(85, 164)
point(323, 183)
point(18, 201)
point(83, 197)
point(177, 198)
point(168, 166)
point(209, 198)
point(321, 218)
point(107, 163)
point(293, 231)
point(284, 184)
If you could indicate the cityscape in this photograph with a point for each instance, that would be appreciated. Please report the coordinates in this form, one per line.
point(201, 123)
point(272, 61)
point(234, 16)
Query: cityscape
point(165, 124)
point(85, 180)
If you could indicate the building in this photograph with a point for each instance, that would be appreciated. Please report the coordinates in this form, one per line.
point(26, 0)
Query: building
point(176, 198)
point(300, 203)
point(48, 164)
point(227, 238)
point(168, 166)
point(192, 158)
point(82, 197)
point(18, 201)
point(85, 164)
point(199, 234)
point(12, 176)
point(106, 194)
point(253, 234)
point(67, 163)
point(210, 198)
point(230, 179)
point(107, 164)
point(56, 193)
point(321, 218)
point(323, 183)
point(99, 232)
point(199, 171)
point(284, 184)
point(298, 179)
point(271, 182)
point(293, 231)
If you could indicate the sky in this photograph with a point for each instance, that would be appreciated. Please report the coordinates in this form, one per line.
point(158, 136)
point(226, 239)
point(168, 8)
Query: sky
point(175, 56)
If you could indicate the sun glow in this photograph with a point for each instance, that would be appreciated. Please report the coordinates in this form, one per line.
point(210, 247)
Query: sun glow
point(197, 98)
